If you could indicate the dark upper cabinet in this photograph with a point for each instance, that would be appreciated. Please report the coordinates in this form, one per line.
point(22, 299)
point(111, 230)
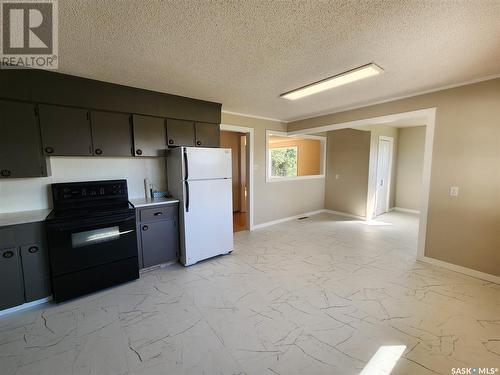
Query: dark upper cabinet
point(207, 134)
point(65, 130)
point(150, 135)
point(180, 133)
point(111, 134)
point(20, 143)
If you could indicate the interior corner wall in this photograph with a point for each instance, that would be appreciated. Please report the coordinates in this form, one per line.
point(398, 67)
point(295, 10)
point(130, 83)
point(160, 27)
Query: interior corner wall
point(348, 156)
point(410, 165)
point(276, 200)
point(463, 230)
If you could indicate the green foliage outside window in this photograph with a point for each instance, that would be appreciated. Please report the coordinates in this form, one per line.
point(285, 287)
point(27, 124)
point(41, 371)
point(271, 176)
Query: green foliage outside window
point(284, 162)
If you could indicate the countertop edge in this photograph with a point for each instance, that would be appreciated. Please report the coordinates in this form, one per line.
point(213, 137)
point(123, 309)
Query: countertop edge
point(23, 217)
point(141, 203)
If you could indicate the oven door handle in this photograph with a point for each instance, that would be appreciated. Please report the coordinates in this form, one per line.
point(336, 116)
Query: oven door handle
point(112, 235)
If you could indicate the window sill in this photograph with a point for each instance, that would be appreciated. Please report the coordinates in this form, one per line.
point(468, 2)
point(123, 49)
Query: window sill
point(295, 178)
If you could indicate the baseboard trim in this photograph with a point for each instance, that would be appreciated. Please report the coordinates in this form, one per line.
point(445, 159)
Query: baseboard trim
point(285, 219)
point(463, 270)
point(345, 214)
point(407, 210)
point(25, 306)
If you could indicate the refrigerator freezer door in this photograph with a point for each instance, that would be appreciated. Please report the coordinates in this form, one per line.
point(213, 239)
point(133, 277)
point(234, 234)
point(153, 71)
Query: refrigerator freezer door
point(207, 163)
point(208, 224)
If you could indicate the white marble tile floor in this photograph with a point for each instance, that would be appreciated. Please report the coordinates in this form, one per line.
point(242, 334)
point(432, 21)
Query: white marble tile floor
point(315, 296)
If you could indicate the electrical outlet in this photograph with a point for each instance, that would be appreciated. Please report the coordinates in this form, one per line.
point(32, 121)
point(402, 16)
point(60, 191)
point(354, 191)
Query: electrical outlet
point(337, 176)
point(453, 191)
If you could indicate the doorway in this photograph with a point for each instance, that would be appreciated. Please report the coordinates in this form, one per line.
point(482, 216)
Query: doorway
point(384, 171)
point(425, 117)
point(238, 143)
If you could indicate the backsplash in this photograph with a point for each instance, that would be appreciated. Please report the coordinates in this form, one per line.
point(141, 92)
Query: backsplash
point(34, 193)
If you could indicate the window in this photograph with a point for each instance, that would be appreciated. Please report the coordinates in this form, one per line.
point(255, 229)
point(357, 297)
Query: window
point(284, 161)
point(294, 157)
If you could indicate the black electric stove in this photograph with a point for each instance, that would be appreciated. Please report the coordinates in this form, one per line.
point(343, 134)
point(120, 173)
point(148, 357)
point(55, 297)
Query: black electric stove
point(92, 238)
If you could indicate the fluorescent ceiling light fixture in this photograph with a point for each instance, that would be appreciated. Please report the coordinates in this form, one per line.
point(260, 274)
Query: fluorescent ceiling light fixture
point(353, 75)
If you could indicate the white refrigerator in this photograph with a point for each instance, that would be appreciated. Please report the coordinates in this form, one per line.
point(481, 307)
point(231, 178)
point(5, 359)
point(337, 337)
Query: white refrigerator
point(201, 179)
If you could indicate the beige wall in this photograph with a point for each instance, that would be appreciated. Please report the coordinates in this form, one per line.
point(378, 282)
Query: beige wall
point(309, 154)
point(276, 200)
point(232, 140)
point(348, 154)
point(410, 164)
point(463, 230)
point(24, 194)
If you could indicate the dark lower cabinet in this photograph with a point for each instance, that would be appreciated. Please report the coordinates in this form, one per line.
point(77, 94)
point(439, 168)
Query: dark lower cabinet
point(159, 242)
point(24, 267)
point(180, 133)
point(158, 234)
point(207, 135)
point(20, 142)
point(12, 290)
point(35, 262)
point(150, 135)
point(65, 131)
point(111, 134)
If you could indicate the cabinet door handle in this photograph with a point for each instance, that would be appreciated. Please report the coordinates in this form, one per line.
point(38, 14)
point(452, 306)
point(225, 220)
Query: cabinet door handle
point(49, 150)
point(5, 173)
point(145, 227)
point(8, 254)
point(198, 143)
point(98, 151)
point(170, 141)
point(33, 249)
point(159, 213)
point(138, 152)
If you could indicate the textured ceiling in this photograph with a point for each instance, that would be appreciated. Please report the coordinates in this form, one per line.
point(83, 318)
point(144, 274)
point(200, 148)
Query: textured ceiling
point(245, 53)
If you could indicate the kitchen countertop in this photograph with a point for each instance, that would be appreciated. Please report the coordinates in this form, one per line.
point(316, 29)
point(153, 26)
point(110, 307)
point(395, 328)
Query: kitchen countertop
point(145, 202)
point(23, 217)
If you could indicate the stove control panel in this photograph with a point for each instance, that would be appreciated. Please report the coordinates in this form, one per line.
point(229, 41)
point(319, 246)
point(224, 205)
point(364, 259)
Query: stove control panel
point(64, 194)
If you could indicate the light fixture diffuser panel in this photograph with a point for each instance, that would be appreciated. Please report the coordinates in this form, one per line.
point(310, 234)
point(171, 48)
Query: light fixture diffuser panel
point(350, 76)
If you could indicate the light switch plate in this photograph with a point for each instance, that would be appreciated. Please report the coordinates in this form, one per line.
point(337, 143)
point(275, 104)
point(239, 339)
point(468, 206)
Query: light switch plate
point(453, 191)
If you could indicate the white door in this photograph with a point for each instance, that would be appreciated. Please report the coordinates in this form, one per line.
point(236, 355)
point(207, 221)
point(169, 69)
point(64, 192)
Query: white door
point(208, 220)
point(207, 163)
point(383, 175)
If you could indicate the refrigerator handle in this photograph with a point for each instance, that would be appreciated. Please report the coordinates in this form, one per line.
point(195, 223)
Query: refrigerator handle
point(186, 173)
point(187, 195)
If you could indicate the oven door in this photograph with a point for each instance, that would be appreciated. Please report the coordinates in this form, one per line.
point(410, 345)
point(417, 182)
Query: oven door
point(77, 244)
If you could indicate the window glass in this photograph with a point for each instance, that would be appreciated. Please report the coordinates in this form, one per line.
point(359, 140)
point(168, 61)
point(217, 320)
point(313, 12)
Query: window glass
point(284, 161)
